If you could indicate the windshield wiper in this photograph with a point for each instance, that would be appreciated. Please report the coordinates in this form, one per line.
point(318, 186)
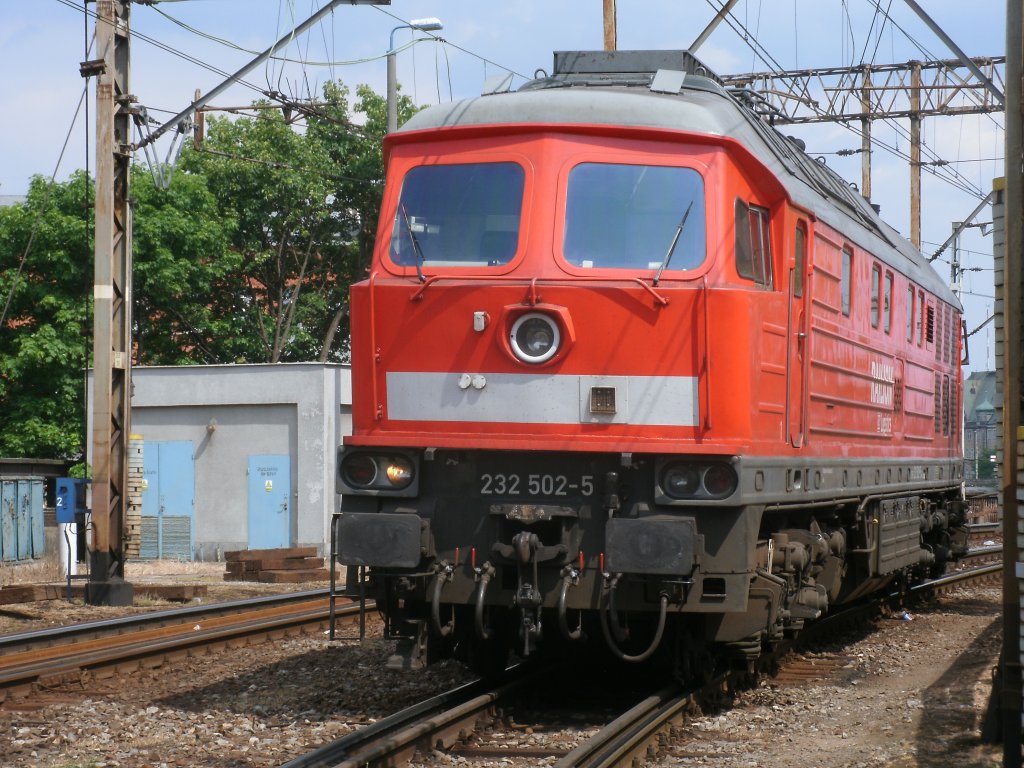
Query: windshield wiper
point(416, 245)
point(672, 245)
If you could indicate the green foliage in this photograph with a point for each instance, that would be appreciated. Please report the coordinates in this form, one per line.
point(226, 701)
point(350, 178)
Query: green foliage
point(305, 204)
point(246, 257)
point(44, 341)
point(183, 269)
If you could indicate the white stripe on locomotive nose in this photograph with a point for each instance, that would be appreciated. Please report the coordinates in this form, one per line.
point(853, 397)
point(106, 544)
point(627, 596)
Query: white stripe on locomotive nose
point(536, 398)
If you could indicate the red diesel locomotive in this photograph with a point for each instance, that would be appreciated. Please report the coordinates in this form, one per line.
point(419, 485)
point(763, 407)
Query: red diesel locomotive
point(630, 365)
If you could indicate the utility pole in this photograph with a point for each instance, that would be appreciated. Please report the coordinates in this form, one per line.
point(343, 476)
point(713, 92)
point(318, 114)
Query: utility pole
point(611, 41)
point(865, 134)
point(111, 422)
point(1009, 684)
point(915, 154)
point(198, 126)
point(112, 296)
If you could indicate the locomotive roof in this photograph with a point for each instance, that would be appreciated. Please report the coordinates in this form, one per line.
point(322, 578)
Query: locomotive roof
point(673, 90)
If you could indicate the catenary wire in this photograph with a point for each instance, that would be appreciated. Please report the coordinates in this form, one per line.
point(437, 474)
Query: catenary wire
point(42, 208)
point(751, 41)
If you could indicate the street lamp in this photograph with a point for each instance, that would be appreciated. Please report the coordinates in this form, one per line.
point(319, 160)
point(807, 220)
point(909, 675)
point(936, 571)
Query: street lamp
point(423, 25)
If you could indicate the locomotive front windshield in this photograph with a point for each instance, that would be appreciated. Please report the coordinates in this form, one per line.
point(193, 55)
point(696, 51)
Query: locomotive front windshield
point(464, 215)
point(636, 217)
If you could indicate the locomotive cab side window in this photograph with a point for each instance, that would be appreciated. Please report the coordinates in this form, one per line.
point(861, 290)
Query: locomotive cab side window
point(458, 215)
point(753, 245)
point(910, 313)
point(800, 248)
point(639, 217)
point(887, 302)
point(846, 279)
point(876, 285)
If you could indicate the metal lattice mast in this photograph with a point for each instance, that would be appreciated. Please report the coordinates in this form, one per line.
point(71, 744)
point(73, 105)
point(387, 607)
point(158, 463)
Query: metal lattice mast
point(112, 314)
point(868, 92)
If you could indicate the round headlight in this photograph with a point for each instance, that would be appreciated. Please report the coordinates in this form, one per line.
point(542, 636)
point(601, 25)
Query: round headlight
point(399, 472)
point(359, 470)
point(680, 482)
point(720, 480)
point(535, 337)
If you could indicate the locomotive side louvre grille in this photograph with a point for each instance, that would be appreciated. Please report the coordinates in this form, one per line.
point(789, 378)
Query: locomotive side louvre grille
point(954, 336)
point(920, 317)
point(930, 325)
point(947, 319)
point(897, 394)
point(945, 405)
point(938, 401)
point(953, 411)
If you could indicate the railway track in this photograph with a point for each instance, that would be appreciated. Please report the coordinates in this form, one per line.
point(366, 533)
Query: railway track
point(103, 648)
point(630, 739)
point(441, 720)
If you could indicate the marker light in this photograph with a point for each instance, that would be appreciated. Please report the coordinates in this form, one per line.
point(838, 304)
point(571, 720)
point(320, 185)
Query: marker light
point(367, 471)
point(360, 470)
point(399, 472)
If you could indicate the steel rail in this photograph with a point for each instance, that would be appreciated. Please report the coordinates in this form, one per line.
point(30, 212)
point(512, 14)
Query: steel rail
point(960, 577)
point(127, 650)
point(72, 632)
point(630, 737)
point(978, 552)
point(626, 737)
point(393, 740)
point(983, 527)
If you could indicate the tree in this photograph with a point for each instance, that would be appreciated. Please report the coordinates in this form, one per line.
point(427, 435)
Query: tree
point(357, 199)
point(45, 338)
point(184, 274)
point(306, 206)
point(181, 260)
point(247, 257)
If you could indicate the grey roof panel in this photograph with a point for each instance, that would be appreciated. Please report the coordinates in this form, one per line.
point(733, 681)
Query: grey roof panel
point(701, 107)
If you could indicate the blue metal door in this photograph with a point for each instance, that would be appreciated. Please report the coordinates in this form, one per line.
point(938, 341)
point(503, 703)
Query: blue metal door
point(21, 518)
point(8, 520)
point(168, 500)
point(22, 502)
point(269, 501)
point(35, 501)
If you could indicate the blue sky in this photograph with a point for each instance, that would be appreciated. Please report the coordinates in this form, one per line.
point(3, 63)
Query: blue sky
point(43, 41)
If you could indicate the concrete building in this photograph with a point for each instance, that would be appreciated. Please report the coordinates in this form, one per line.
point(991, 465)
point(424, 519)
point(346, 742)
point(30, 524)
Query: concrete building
point(238, 456)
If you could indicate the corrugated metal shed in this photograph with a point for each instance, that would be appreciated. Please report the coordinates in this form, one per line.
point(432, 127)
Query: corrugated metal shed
point(21, 518)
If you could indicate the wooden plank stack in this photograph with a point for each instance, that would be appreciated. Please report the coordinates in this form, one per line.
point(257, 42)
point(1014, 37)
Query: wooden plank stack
point(292, 565)
point(28, 593)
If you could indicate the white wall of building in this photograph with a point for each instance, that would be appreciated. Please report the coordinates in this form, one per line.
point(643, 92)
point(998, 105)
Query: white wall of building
point(231, 412)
